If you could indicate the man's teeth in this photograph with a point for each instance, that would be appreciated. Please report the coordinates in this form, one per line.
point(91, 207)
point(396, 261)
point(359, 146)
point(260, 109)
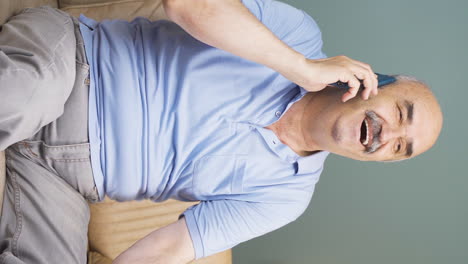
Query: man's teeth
point(367, 133)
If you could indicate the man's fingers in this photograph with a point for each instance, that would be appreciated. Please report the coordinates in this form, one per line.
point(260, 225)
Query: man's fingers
point(354, 85)
point(350, 71)
point(365, 73)
point(376, 90)
point(364, 65)
point(372, 82)
point(370, 85)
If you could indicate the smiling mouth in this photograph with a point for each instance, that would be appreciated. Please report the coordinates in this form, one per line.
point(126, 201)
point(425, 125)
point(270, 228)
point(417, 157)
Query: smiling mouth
point(364, 132)
point(371, 127)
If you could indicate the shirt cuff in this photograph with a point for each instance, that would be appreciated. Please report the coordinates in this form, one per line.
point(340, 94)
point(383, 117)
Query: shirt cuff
point(194, 233)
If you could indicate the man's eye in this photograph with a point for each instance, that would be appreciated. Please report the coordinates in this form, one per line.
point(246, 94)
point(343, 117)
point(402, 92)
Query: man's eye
point(401, 115)
point(398, 147)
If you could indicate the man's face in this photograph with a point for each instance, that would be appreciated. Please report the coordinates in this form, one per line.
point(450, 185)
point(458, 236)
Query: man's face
point(402, 121)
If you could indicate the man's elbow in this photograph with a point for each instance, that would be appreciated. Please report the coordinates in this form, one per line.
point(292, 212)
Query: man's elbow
point(171, 244)
point(177, 9)
point(188, 12)
point(170, 8)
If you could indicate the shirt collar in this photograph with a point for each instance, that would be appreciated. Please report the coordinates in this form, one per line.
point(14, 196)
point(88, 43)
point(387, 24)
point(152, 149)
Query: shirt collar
point(274, 115)
point(311, 164)
point(305, 165)
point(282, 150)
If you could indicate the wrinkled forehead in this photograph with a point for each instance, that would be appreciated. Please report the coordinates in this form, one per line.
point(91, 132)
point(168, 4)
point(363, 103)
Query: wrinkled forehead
point(426, 117)
point(422, 107)
point(430, 121)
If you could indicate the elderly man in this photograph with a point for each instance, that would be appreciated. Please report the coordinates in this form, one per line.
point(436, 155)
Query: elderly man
point(229, 105)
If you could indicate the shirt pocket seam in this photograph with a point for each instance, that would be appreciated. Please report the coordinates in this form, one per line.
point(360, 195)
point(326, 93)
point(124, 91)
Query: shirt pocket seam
point(238, 175)
point(235, 178)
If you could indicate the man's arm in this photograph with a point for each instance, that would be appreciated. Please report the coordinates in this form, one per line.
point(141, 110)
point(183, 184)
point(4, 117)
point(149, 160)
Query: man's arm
point(168, 245)
point(230, 26)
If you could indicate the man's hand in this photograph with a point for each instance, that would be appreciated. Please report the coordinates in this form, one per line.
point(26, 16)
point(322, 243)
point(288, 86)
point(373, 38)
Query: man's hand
point(315, 75)
point(229, 25)
point(168, 245)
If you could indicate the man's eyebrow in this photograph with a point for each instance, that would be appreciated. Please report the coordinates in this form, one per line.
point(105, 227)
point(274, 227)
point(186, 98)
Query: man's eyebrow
point(409, 117)
point(409, 149)
point(409, 111)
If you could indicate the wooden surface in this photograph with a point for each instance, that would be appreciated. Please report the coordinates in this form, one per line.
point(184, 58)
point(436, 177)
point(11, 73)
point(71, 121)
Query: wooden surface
point(115, 226)
point(2, 178)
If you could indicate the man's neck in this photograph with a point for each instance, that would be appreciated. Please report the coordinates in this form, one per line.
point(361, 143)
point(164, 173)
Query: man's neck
point(289, 127)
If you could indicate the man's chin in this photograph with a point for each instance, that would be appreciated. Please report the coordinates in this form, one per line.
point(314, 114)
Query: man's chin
point(354, 156)
point(336, 134)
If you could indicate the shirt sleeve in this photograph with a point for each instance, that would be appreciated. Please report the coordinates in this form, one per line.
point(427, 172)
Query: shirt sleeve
point(293, 26)
point(215, 226)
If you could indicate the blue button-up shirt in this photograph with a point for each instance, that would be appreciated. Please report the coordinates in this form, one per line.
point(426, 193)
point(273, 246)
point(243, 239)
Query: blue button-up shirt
point(172, 117)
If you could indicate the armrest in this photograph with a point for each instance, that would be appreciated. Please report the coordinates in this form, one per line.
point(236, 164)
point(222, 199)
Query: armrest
point(2, 178)
point(115, 226)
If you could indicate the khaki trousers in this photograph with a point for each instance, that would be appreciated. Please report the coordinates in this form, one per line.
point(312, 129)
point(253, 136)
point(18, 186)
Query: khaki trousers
point(43, 127)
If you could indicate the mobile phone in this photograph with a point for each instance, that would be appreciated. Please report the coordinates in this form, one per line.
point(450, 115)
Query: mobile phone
point(381, 78)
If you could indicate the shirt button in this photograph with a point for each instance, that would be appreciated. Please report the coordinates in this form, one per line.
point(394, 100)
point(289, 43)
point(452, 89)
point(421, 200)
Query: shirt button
point(274, 142)
point(277, 113)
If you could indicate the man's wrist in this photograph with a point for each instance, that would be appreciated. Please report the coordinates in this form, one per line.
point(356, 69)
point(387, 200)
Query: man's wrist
point(293, 68)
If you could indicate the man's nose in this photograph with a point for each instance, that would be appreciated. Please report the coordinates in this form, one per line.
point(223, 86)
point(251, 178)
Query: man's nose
point(388, 133)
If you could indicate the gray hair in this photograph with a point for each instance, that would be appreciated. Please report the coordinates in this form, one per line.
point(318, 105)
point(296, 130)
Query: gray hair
point(409, 78)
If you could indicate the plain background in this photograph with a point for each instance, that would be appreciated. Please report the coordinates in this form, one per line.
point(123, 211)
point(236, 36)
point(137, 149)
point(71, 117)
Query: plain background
point(374, 213)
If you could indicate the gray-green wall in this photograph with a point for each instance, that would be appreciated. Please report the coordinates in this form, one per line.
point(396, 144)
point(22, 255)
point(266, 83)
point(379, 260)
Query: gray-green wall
point(371, 213)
